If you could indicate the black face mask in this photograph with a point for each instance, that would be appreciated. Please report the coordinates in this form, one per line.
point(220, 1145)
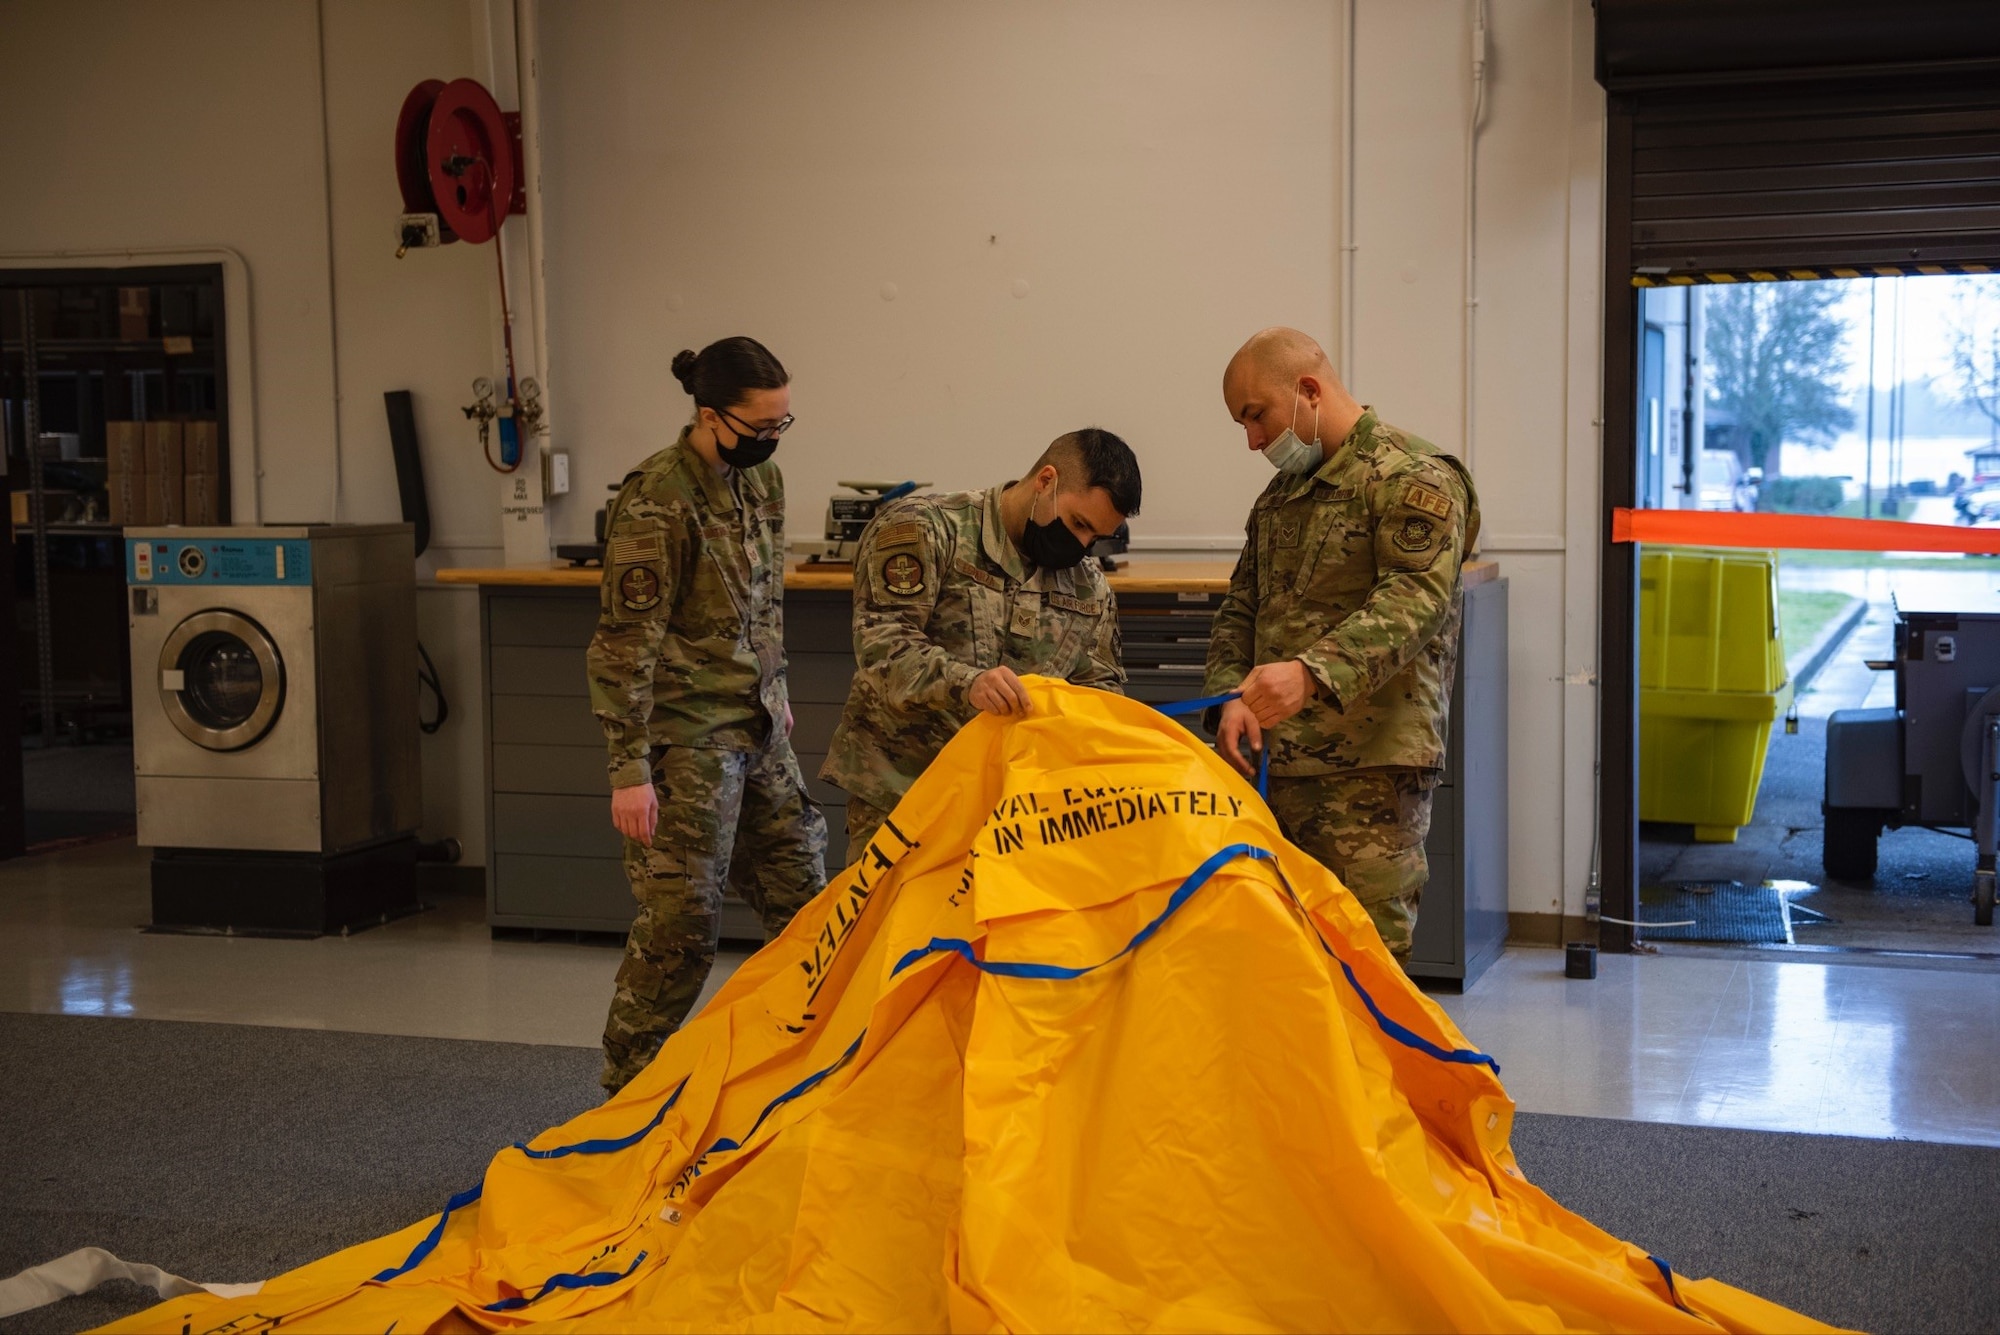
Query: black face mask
point(747, 452)
point(1052, 545)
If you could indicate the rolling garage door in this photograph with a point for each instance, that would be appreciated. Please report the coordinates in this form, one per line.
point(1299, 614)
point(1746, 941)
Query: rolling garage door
point(1758, 140)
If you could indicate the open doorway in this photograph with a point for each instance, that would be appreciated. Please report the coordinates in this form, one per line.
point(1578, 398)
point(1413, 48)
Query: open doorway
point(1875, 397)
point(112, 389)
point(1749, 155)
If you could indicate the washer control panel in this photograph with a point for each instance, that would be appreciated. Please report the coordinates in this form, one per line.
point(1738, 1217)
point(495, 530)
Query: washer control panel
point(214, 561)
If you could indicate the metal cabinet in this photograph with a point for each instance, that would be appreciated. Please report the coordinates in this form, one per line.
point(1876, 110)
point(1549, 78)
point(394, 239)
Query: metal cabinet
point(554, 860)
point(1462, 923)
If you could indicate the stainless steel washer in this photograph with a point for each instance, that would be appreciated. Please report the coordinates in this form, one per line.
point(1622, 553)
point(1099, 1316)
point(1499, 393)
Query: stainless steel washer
point(274, 699)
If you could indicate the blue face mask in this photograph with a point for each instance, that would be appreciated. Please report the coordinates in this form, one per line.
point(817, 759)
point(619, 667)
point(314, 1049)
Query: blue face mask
point(1289, 454)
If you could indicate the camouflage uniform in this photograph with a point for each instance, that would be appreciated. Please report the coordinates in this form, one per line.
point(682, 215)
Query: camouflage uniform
point(687, 676)
point(941, 594)
point(1354, 570)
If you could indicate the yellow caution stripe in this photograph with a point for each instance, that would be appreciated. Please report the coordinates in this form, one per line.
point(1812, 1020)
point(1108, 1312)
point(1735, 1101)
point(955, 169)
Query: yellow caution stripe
point(1791, 274)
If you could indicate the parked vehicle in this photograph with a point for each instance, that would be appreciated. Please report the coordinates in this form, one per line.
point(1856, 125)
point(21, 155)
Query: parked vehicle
point(1724, 484)
point(1933, 759)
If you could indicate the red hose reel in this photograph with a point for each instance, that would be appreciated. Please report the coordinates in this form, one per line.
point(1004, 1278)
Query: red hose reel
point(459, 156)
point(458, 163)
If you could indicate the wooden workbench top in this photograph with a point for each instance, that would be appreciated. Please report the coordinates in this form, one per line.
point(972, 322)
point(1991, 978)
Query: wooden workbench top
point(1139, 576)
point(1134, 576)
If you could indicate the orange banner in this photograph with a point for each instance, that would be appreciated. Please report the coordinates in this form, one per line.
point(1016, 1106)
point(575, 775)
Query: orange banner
point(1713, 528)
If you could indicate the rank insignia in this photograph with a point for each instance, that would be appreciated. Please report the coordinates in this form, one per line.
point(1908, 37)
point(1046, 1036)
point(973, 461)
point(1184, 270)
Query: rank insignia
point(639, 589)
point(1416, 535)
point(1288, 533)
point(903, 575)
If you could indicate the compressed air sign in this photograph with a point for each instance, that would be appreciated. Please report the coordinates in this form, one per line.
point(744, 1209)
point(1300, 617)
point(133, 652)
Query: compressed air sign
point(1079, 1044)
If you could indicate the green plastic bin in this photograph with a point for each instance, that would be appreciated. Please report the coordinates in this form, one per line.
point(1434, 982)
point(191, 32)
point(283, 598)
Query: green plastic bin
point(1711, 683)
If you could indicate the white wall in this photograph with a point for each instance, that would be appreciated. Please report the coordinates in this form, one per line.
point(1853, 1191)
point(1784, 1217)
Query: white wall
point(1534, 446)
point(1165, 178)
point(1080, 207)
point(964, 228)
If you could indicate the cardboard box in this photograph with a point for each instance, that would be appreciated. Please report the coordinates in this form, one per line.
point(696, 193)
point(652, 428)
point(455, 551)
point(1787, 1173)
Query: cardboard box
point(135, 314)
point(202, 499)
point(128, 497)
point(165, 502)
point(164, 451)
point(125, 447)
point(201, 448)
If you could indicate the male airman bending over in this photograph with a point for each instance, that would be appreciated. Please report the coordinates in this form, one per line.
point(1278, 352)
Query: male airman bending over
point(956, 595)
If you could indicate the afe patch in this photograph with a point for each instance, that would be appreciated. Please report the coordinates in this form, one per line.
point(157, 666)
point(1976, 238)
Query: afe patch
point(1416, 535)
point(639, 589)
point(903, 575)
point(1428, 501)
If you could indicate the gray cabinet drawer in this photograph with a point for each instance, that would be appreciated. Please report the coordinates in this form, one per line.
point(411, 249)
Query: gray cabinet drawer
point(819, 620)
point(585, 894)
point(545, 720)
point(556, 620)
point(578, 771)
point(520, 669)
point(818, 677)
point(576, 827)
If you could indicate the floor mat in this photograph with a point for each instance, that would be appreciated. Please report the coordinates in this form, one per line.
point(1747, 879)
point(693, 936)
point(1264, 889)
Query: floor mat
point(1723, 911)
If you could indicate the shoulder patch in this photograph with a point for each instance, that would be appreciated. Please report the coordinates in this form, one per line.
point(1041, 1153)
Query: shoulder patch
point(907, 533)
point(1430, 502)
point(903, 575)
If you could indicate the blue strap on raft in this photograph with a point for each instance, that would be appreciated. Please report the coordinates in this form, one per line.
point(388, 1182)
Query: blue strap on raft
point(1180, 707)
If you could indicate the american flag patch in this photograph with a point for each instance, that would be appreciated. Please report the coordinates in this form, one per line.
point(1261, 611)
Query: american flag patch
point(633, 550)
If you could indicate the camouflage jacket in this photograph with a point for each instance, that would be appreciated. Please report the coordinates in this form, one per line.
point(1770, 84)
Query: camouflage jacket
point(941, 594)
point(689, 649)
point(1354, 570)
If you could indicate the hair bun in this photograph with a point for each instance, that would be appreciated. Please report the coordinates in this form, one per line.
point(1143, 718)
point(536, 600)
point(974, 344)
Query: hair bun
point(683, 366)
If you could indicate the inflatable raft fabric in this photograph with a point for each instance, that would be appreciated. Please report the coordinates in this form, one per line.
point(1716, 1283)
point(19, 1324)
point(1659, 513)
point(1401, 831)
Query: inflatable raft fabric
point(1079, 1043)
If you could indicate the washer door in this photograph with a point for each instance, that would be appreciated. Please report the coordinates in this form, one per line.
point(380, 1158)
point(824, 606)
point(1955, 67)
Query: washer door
point(222, 682)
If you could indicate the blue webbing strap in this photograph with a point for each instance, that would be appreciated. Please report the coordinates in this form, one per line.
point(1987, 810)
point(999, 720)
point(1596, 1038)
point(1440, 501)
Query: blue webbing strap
point(1673, 1290)
point(554, 1282)
point(1200, 876)
point(430, 1241)
point(805, 1086)
point(1019, 969)
point(467, 1197)
point(1179, 707)
point(607, 1146)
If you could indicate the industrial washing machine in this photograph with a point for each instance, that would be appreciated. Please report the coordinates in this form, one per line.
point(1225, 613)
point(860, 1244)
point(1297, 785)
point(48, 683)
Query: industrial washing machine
point(274, 724)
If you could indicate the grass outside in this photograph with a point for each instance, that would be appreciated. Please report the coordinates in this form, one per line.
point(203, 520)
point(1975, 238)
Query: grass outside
point(1824, 560)
point(1803, 613)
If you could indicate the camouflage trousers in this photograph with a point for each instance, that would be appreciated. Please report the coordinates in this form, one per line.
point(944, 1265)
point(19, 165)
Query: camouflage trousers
point(735, 818)
point(1367, 827)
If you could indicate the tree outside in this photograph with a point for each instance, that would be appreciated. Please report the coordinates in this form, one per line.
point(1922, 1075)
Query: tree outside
point(1775, 354)
point(1975, 350)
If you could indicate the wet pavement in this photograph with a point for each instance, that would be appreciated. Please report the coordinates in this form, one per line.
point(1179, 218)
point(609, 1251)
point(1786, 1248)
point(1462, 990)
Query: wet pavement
point(1919, 897)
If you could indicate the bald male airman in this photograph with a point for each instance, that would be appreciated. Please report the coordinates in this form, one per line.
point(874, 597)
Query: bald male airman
point(1340, 627)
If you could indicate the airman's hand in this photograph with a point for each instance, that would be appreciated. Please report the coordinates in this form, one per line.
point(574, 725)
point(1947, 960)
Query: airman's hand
point(1239, 723)
point(999, 691)
point(636, 811)
point(1276, 691)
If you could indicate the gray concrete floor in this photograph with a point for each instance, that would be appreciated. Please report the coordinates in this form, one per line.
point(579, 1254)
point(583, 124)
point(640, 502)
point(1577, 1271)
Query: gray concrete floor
point(1919, 897)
